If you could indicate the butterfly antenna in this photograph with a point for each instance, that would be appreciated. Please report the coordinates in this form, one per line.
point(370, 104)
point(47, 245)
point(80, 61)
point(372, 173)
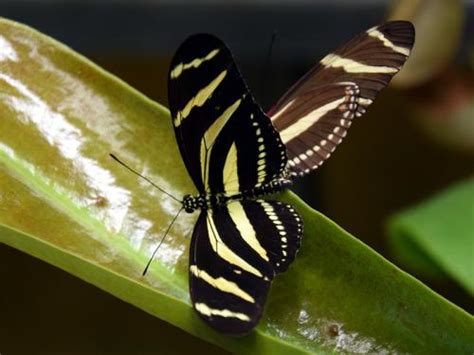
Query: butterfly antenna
point(267, 68)
point(161, 241)
point(143, 177)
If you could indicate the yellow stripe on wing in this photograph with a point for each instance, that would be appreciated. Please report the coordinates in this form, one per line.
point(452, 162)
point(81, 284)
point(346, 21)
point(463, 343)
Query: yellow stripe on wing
point(178, 69)
point(245, 228)
point(375, 33)
point(201, 97)
point(221, 284)
point(305, 122)
point(221, 249)
point(209, 138)
point(204, 309)
point(352, 66)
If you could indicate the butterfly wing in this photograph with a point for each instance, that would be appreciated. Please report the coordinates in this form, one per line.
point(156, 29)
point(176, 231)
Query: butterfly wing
point(235, 252)
point(323, 116)
point(369, 61)
point(227, 142)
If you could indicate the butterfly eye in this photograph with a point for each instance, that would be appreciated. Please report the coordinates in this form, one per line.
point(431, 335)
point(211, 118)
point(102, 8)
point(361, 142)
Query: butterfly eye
point(189, 203)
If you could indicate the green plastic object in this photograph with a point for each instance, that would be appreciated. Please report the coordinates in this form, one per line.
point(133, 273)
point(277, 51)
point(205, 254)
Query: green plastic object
point(438, 235)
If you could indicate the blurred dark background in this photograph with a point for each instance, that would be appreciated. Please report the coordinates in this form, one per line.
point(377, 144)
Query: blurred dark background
point(387, 162)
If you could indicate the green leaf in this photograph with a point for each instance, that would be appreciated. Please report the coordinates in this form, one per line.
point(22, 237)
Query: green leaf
point(438, 235)
point(65, 201)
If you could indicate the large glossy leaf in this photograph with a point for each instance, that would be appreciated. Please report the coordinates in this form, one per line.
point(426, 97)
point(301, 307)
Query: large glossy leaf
point(65, 201)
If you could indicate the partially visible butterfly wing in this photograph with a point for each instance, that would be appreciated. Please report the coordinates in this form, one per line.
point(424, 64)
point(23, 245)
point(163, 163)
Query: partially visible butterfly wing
point(227, 143)
point(369, 61)
point(323, 116)
point(235, 252)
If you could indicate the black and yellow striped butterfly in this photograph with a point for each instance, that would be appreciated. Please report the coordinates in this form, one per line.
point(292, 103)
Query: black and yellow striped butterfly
point(236, 155)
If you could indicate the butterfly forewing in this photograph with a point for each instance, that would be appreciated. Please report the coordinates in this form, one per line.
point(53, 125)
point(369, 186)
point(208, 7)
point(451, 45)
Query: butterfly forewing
point(369, 61)
point(227, 142)
point(235, 252)
point(325, 113)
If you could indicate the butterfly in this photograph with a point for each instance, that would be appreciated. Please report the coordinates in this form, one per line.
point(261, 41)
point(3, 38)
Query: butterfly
point(236, 155)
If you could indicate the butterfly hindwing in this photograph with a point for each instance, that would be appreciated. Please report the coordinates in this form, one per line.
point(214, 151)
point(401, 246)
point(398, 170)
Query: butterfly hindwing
point(227, 142)
point(369, 61)
point(236, 250)
point(278, 229)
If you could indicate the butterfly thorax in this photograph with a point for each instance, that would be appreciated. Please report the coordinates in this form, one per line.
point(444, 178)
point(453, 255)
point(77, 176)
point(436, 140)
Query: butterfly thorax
point(203, 202)
point(209, 201)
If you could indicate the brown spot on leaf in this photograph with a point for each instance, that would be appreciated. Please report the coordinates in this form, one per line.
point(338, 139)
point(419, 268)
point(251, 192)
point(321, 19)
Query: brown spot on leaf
point(333, 330)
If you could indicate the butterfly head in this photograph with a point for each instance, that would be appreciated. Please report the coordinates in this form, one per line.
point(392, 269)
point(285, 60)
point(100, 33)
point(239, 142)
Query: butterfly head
point(190, 203)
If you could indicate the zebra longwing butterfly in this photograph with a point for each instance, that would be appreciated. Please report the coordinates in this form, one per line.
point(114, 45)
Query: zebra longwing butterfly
point(236, 154)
